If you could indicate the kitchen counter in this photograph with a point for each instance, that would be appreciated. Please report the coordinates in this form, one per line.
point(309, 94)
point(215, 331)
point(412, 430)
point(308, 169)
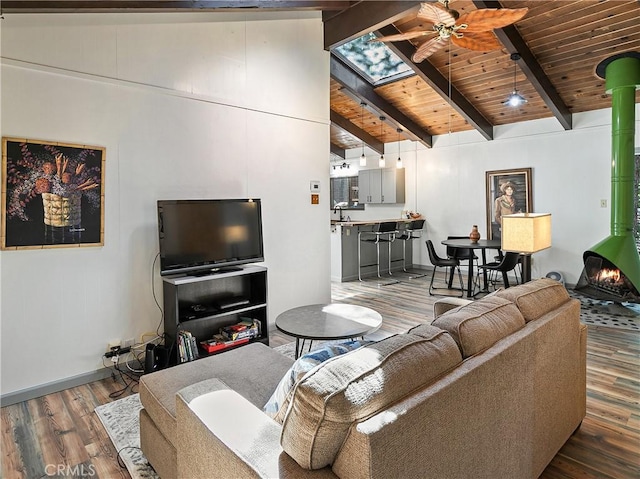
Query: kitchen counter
point(370, 222)
point(344, 251)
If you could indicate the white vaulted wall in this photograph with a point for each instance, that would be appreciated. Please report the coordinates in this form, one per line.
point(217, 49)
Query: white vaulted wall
point(571, 174)
point(223, 105)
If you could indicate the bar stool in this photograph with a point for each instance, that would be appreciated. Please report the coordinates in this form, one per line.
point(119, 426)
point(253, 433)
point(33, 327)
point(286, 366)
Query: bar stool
point(411, 232)
point(384, 232)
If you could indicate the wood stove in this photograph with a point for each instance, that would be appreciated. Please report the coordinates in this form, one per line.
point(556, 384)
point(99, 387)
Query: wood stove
point(612, 267)
point(601, 279)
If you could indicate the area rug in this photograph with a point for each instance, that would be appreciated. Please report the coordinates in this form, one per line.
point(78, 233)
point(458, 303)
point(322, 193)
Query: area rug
point(594, 312)
point(121, 421)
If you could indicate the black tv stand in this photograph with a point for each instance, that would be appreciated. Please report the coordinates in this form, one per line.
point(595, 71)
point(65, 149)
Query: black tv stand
point(206, 301)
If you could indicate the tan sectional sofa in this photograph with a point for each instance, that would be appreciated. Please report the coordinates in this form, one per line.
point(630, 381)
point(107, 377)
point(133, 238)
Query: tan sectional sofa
point(491, 389)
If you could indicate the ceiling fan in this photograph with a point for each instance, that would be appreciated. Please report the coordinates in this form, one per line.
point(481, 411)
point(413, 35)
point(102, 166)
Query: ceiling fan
point(473, 31)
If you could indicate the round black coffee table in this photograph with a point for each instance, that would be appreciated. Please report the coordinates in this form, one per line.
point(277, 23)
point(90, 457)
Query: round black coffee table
point(327, 322)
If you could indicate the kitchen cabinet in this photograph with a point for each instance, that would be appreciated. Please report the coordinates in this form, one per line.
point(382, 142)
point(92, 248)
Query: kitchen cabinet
point(381, 185)
point(370, 184)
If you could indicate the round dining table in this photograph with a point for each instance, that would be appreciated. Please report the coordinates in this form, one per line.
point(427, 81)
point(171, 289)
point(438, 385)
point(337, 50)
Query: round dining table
point(482, 245)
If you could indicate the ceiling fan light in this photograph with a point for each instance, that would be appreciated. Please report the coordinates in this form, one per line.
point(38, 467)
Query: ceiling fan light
point(363, 160)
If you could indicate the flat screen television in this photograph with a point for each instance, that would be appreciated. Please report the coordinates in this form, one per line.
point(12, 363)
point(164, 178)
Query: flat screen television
point(200, 236)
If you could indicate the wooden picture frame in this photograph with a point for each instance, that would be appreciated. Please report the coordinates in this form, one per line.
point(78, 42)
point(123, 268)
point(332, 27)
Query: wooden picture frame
point(52, 195)
point(498, 200)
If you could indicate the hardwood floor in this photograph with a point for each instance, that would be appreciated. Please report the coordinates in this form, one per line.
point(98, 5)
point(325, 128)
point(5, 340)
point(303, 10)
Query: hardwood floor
point(61, 430)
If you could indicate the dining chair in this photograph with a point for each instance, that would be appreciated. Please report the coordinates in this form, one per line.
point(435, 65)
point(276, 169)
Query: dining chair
point(517, 271)
point(508, 263)
point(463, 255)
point(447, 263)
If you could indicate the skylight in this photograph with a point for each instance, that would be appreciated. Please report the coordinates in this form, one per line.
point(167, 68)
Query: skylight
point(374, 60)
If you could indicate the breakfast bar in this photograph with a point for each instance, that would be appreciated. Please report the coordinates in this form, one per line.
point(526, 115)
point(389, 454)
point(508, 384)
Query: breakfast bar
point(344, 250)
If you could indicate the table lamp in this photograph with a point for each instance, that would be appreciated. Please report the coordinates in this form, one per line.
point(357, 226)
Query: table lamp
point(526, 233)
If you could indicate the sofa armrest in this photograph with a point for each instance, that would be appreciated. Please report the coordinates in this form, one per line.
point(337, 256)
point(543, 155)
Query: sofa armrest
point(221, 434)
point(443, 305)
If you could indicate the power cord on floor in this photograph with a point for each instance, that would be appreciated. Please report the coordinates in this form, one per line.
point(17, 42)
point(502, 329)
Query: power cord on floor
point(155, 298)
point(129, 377)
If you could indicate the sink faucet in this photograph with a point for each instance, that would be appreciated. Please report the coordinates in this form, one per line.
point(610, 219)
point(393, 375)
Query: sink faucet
point(336, 209)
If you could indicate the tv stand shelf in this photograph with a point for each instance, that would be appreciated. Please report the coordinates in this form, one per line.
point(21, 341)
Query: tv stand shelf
point(202, 304)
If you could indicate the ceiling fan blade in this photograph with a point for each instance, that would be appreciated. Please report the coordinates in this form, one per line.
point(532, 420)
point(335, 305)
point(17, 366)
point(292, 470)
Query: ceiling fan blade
point(435, 14)
point(480, 41)
point(403, 36)
point(487, 19)
point(427, 48)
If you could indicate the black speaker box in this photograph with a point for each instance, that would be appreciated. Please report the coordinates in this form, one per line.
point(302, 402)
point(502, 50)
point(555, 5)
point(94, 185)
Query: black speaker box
point(156, 358)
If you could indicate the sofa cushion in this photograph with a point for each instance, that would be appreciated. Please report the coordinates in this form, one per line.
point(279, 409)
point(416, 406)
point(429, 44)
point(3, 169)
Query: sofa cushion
point(302, 366)
point(480, 324)
point(348, 388)
point(536, 298)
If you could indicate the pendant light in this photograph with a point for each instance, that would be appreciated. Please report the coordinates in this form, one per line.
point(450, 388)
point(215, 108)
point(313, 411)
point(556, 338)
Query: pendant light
point(515, 99)
point(399, 162)
point(363, 159)
point(381, 162)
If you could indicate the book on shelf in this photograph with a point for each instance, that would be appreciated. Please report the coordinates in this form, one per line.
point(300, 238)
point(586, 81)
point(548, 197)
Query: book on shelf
point(247, 328)
point(187, 347)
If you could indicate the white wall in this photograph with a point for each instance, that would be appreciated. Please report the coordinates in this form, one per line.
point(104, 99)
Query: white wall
point(188, 106)
point(571, 174)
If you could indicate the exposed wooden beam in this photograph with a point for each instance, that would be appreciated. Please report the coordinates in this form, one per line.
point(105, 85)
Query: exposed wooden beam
point(363, 18)
point(363, 91)
point(514, 43)
point(79, 6)
point(439, 83)
point(348, 126)
point(336, 150)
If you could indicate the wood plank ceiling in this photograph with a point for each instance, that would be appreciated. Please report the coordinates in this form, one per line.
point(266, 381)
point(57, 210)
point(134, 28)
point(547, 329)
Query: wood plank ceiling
point(560, 44)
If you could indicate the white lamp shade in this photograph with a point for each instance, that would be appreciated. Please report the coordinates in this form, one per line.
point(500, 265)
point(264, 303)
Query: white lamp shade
point(526, 232)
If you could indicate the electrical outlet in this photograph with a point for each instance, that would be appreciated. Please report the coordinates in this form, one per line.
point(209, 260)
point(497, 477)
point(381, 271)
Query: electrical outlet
point(114, 343)
point(127, 343)
point(603, 203)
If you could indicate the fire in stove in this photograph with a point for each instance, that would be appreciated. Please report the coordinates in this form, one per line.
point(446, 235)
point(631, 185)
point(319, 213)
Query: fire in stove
point(608, 276)
point(607, 281)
